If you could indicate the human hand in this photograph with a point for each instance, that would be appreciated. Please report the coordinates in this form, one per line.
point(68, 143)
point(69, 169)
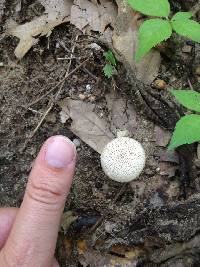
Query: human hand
point(28, 235)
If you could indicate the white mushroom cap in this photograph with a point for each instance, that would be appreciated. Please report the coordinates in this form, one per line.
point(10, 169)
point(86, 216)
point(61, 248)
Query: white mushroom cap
point(123, 159)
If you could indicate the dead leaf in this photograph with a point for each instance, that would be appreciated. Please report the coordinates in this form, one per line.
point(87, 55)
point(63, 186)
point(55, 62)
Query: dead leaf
point(68, 245)
point(90, 257)
point(125, 43)
point(122, 116)
point(169, 156)
point(167, 169)
point(64, 113)
point(162, 136)
point(87, 125)
point(95, 17)
point(94, 130)
point(67, 219)
point(28, 33)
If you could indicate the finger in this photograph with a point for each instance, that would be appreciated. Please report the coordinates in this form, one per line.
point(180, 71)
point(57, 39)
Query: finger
point(7, 217)
point(55, 263)
point(33, 237)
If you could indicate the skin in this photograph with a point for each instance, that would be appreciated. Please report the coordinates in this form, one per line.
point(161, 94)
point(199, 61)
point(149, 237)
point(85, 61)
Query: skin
point(28, 235)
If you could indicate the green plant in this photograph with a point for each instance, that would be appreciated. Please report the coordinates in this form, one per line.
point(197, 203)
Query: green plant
point(187, 129)
point(110, 67)
point(154, 31)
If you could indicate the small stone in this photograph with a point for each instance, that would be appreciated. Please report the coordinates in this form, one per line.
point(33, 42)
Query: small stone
point(158, 169)
point(1, 64)
point(92, 98)
point(88, 88)
point(64, 116)
point(57, 45)
point(187, 49)
point(94, 46)
point(174, 189)
point(77, 142)
point(109, 227)
point(159, 84)
point(51, 118)
point(82, 96)
point(198, 71)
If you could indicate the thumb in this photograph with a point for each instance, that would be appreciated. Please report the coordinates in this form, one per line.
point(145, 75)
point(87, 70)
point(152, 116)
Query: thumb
point(33, 236)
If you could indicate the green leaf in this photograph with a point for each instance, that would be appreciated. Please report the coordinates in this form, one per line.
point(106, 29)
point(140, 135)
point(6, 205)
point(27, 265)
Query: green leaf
point(158, 8)
point(108, 70)
point(189, 99)
point(187, 131)
point(182, 16)
point(110, 57)
point(151, 33)
point(188, 28)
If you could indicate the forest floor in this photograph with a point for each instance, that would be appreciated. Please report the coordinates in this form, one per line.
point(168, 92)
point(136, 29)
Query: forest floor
point(149, 222)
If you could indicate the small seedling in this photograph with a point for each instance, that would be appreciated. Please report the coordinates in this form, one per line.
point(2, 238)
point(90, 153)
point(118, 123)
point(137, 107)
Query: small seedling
point(154, 31)
point(110, 67)
point(187, 130)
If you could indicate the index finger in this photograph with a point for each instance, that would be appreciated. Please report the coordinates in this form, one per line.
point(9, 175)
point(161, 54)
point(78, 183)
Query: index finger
point(33, 236)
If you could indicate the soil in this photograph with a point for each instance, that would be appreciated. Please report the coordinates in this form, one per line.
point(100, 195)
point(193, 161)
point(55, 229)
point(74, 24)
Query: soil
point(130, 210)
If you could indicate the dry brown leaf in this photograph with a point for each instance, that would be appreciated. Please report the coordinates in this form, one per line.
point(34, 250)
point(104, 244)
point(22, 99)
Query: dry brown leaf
point(168, 169)
point(162, 136)
point(94, 130)
point(125, 43)
point(169, 156)
point(92, 258)
point(93, 16)
point(67, 219)
point(87, 125)
point(55, 13)
point(122, 116)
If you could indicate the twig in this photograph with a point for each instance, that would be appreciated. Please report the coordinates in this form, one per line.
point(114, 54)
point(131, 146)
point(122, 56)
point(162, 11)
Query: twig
point(59, 83)
point(78, 61)
point(190, 84)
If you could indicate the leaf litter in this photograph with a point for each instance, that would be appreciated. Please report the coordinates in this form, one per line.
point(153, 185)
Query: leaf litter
point(28, 33)
point(85, 15)
point(115, 21)
point(94, 130)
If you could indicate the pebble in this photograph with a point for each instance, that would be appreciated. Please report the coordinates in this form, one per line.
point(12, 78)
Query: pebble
point(92, 98)
point(94, 46)
point(51, 117)
point(77, 142)
point(82, 96)
point(174, 189)
point(187, 49)
point(88, 88)
point(159, 84)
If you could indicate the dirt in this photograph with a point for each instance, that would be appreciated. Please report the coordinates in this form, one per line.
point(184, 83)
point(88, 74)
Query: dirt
point(93, 195)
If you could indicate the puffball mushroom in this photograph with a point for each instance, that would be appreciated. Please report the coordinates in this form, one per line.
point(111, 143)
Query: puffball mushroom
point(123, 159)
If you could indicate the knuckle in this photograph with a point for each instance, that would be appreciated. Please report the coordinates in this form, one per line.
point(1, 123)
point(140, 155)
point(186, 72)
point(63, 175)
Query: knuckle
point(49, 192)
